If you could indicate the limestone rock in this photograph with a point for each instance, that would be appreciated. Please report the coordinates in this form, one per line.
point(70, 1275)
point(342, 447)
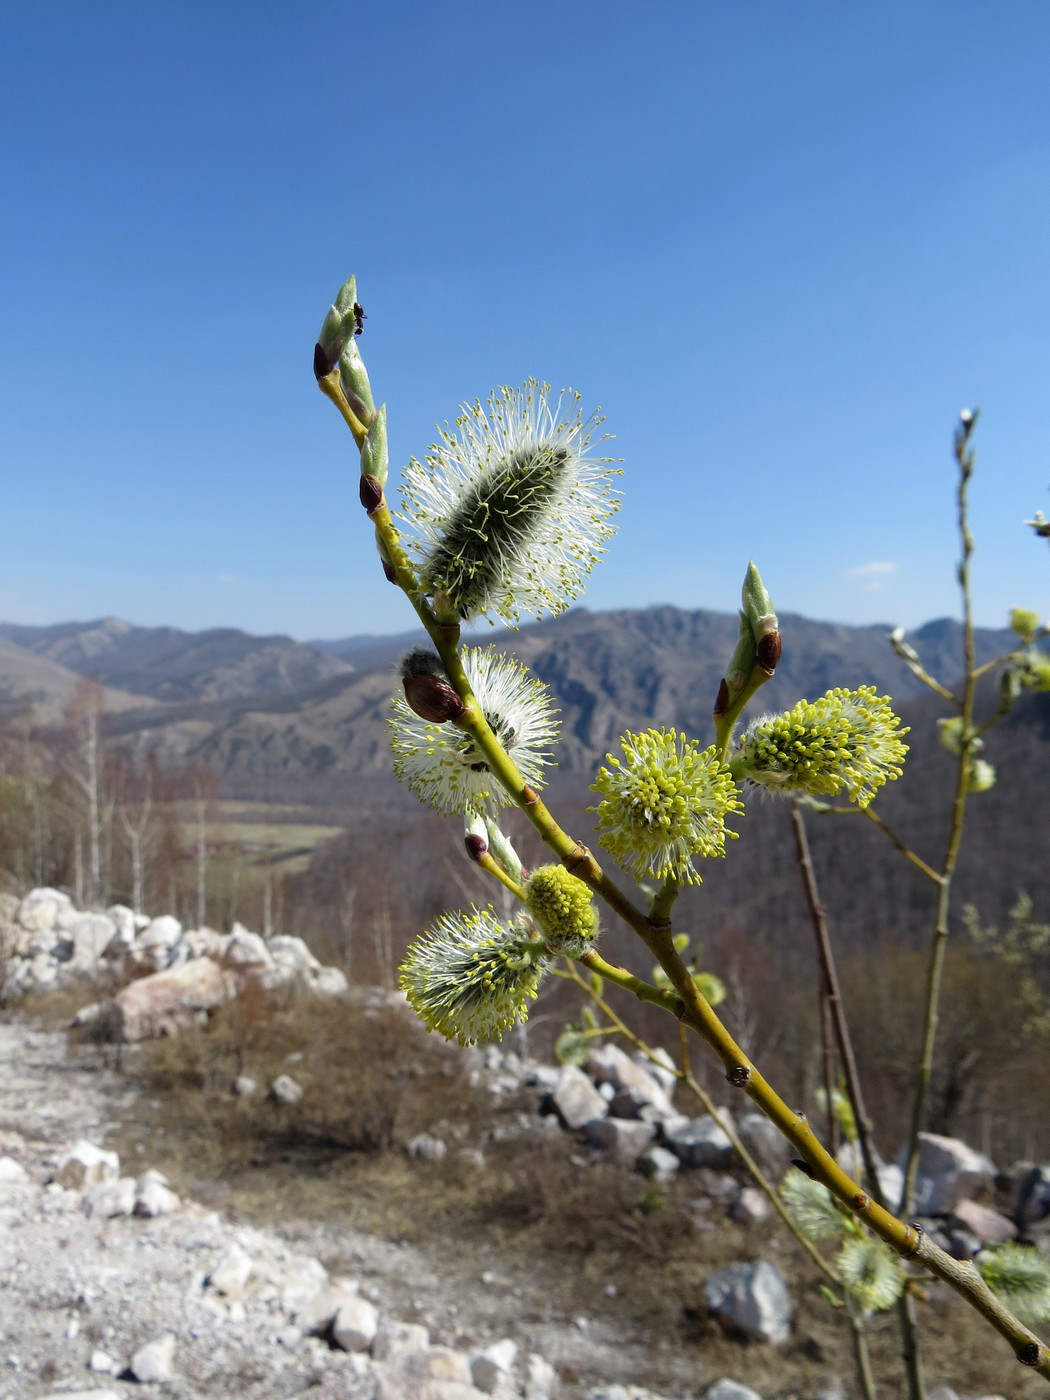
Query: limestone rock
point(988, 1225)
point(12, 1173)
point(769, 1147)
point(41, 907)
point(541, 1379)
point(492, 1370)
point(395, 1340)
point(170, 1001)
point(624, 1137)
point(231, 1273)
point(286, 1090)
point(153, 1196)
point(111, 1198)
point(155, 1362)
point(949, 1172)
point(576, 1099)
point(329, 982)
point(726, 1389)
point(447, 1365)
point(659, 1163)
point(318, 1312)
point(91, 935)
point(751, 1207)
point(635, 1086)
point(426, 1147)
point(246, 950)
point(84, 1165)
point(699, 1142)
point(751, 1300)
point(356, 1324)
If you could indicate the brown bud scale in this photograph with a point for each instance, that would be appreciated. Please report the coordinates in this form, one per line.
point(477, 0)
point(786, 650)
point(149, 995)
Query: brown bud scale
point(739, 1075)
point(432, 699)
point(769, 649)
point(722, 699)
point(371, 493)
point(476, 846)
point(321, 364)
point(388, 570)
point(1029, 1355)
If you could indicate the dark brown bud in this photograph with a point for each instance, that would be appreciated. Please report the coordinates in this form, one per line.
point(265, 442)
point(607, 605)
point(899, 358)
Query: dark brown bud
point(388, 570)
point(432, 698)
point(476, 847)
point(722, 699)
point(769, 649)
point(1029, 1355)
point(371, 492)
point(803, 1167)
point(739, 1075)
point(321, 364)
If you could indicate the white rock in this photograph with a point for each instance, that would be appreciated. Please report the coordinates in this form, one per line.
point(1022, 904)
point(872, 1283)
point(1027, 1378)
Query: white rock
point(726, 1389)
point(103, 1364)
point(396, 1340)
point(167, 1002)
point(329, 982)
point(91, 935)
point(318, 1312)
point(293, 952)
point(80, 1395)
point(356, 1324)
point(163, 932)
point(124, 922)
point(85, 1165)
point(231, 1273)
point(155, 1362)
point(988, 1225)
point(246, 949)
point(576, 1098)
point(541, 1379)
point(12, 1173)
point(448, 1366)
point(751, 1299)
point(658, 1163)
point(626, 1138)
point(108, 1199)
point(244, 1086)
point(751, 1207)
point(493, 1368)
point(949, 1172)
point(426, 1147)
point(699, 1142)
point(635, 1086)
point(41, 907)
point(664, 1071)
point(153, 1196)
point(769, 1147)
point(286, 1089)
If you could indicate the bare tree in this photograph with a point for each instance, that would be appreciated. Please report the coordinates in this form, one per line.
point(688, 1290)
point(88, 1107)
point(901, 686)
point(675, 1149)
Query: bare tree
point(84, 765)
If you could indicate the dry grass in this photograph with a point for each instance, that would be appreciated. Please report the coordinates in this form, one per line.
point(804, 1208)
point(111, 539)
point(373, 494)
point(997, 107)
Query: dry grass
point(563, 1221)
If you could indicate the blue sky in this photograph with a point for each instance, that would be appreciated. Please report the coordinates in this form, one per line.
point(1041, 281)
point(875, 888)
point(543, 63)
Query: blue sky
point(781, 245)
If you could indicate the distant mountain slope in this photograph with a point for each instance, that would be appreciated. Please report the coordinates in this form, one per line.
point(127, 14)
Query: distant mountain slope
point(608, 671)
point(29, 680)
point(167, 664)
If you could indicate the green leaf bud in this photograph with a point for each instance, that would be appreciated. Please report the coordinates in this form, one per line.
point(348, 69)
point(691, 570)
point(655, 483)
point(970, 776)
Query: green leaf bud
point(1024, 622)
point(758, 608)
point(354, 378)
point(572, 1047)
point(950, 733)
point(710, 987)
point(502, 850)
point(564, 909)
point(1034, 672)
point(339, 326)
point(375, 453)
point(981, 776)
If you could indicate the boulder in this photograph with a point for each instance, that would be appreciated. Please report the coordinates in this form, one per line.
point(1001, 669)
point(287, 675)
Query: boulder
point(751, 1300)
point(107, 1199)
point(84, 1165)
point(41, 908)
point(541, 1379)
point(292, 953)
point(659, 1163)
point(395, 1340)
point(12, 1173)
point(625, 1138)
point(699, 1142)
point(492, 1370)
point(155, 1362)
point(1033, 1196)
point(170, 1001)
point(635, 1087)
point(949, 1172)
point(318, 1313)
point(329, 982)
point(123, 920)
point(576, 1099)
point(356, 1324)
point(231, 1273)
point(988, 1225)
point(245, 950)
point(91, 935)
point(766, 1144)
point(751, 1207)
point(153, 1196)
point(426, 1147)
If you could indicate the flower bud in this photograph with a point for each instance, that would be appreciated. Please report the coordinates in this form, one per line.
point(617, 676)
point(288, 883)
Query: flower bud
point(981, 776)
point(503, 851)
point(371, 493)
point(564, 909)
point(427, 689)
point(374, 454)
point(1024, 622)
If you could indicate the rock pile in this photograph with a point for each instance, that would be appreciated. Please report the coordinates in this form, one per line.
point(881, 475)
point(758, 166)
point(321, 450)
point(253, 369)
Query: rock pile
point(168, 978)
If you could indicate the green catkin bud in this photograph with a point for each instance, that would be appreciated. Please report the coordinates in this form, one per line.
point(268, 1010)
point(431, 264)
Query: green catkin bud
point(470, 977)
point(1024, 622)
point(564, 909)
point(502, 850)
point(981, 776)
point(870, 1273)
point(375, 453)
